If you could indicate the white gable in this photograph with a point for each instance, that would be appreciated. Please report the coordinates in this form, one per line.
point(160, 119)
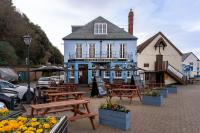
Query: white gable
point(170, 54)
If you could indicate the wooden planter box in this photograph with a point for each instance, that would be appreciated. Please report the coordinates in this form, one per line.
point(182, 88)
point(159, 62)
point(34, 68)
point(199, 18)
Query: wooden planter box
point(156, 101)
point(115, 119)
point(171, 89)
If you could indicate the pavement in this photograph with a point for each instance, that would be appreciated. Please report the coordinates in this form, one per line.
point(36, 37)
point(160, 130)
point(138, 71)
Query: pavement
point(180, 114)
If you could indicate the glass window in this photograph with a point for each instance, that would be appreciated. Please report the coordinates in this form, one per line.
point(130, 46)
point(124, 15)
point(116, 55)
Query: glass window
point(92, 50)
point(118, 73)
point(129, 73)
point(122, 50)
point(78, 50)
point(106, 74)
point(100, 28)
point(6, 85)
point(93, 73)
point(146, 64)
point(72, 71)
point(109, 50)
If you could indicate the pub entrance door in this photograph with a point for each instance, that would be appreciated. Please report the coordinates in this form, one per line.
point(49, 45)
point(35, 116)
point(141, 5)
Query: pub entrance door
point(83, 74)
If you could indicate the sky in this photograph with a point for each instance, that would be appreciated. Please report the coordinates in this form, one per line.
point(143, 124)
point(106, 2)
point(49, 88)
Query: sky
point(179, 20)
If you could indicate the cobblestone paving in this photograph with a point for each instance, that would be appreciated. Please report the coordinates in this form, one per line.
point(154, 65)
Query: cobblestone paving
point(180, 114)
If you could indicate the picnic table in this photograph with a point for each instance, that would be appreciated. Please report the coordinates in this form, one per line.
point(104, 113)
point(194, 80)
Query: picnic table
point(42, 109)
point(55, 96)
point(129, 93)
point(63, 88)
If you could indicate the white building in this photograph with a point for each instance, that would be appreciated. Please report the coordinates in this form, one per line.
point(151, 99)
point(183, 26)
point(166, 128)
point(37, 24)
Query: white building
point(161, 59)
point(190, 64)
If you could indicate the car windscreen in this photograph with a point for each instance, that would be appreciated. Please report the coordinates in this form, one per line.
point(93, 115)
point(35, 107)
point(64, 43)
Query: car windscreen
point(44, 79)
point(6, 85)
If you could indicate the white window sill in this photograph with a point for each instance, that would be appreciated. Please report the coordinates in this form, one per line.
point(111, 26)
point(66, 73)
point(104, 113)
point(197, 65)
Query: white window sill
point(117, 77)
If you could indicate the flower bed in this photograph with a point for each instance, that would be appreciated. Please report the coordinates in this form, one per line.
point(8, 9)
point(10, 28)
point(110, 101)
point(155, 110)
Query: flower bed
point(153, 98)
point(4, 112)
point(114, 115)
point(163, 91)
point(28, 125)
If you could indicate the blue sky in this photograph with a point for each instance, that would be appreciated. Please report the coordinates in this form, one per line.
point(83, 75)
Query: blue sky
point(179, 20)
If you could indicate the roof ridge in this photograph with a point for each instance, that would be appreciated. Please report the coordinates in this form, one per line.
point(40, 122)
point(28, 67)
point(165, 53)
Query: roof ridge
point(87, 31)
point(143, 45)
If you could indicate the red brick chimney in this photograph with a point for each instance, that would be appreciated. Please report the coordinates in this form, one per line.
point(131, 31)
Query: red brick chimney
point(130, 22)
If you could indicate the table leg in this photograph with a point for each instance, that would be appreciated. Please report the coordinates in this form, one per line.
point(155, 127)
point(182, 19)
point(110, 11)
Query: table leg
point(138, 93)
point(91, 118)
point(32, 111)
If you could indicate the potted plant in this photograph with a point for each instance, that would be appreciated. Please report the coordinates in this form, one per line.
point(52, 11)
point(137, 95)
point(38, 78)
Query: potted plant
point(114, 115)
point(163, 91)
point(153, 98)
point(171, 88)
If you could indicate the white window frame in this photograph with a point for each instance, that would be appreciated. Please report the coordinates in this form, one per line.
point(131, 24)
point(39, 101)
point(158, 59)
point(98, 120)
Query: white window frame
point(105, 75)
point(130, 73)
point(122, 50)
point(79, 50)
point(91, 50)
point(109, 50)
point(116, 76)
point(72, 75)
point(100, 28)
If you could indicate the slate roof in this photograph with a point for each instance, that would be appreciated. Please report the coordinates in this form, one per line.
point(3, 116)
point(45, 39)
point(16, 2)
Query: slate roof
point(86, 32)
point(185, 55)
point(143, 45)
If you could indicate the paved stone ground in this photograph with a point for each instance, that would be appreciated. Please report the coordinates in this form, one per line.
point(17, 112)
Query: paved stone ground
point(180, 114)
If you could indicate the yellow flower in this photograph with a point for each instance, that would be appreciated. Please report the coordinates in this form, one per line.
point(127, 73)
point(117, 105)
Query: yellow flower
point(39, 131)
point(31, 128)
point(28, 131)
point(34, 119)
point(46, 126)
point(23, 128)
point(34, 124)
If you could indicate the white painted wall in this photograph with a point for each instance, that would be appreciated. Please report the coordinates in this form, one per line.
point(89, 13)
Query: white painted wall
point(148, 55)
point(192, 59)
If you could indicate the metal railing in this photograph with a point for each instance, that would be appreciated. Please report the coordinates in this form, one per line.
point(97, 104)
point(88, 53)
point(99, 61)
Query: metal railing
point(104, 55)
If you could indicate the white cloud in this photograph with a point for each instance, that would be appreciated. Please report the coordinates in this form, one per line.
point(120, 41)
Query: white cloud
point(176, 19)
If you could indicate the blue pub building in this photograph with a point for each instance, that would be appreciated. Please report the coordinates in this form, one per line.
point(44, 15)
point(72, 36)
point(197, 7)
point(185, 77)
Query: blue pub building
point(100, 44)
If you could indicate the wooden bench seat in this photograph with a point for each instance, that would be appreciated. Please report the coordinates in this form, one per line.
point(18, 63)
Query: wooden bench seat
point(90, 115)
point(71, 105)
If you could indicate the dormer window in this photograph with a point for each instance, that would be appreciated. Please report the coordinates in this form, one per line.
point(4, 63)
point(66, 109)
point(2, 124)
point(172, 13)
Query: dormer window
point(100, 28)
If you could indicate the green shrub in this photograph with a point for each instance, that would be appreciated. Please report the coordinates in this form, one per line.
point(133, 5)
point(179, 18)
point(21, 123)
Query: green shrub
point(153, 93)
point(109, 105)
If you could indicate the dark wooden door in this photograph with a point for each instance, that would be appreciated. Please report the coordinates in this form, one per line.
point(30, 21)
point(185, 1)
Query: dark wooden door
point(83, 74)
point(160, 77)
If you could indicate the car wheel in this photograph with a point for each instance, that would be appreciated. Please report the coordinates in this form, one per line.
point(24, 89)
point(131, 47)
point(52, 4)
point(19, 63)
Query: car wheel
point(26, 95)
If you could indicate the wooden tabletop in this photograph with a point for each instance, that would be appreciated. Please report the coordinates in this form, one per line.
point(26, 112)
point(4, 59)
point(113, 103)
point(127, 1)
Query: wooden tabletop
point(67, 93)
point(59, 104)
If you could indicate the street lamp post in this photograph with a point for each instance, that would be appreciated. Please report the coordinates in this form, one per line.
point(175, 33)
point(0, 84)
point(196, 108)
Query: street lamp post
point(27, 41)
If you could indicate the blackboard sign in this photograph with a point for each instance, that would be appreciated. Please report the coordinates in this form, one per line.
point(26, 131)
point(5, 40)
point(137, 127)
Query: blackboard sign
point(102, 91)
point(101, 87)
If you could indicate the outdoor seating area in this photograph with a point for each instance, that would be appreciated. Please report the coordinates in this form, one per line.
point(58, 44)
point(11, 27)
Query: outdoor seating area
point(71, 103)
point(125, 91)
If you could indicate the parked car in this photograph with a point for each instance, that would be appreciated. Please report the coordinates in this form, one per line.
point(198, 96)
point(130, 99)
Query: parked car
point(45, 82)
point(58, 79)
point(2, 105)
point(8, 98)
point(21, 90)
